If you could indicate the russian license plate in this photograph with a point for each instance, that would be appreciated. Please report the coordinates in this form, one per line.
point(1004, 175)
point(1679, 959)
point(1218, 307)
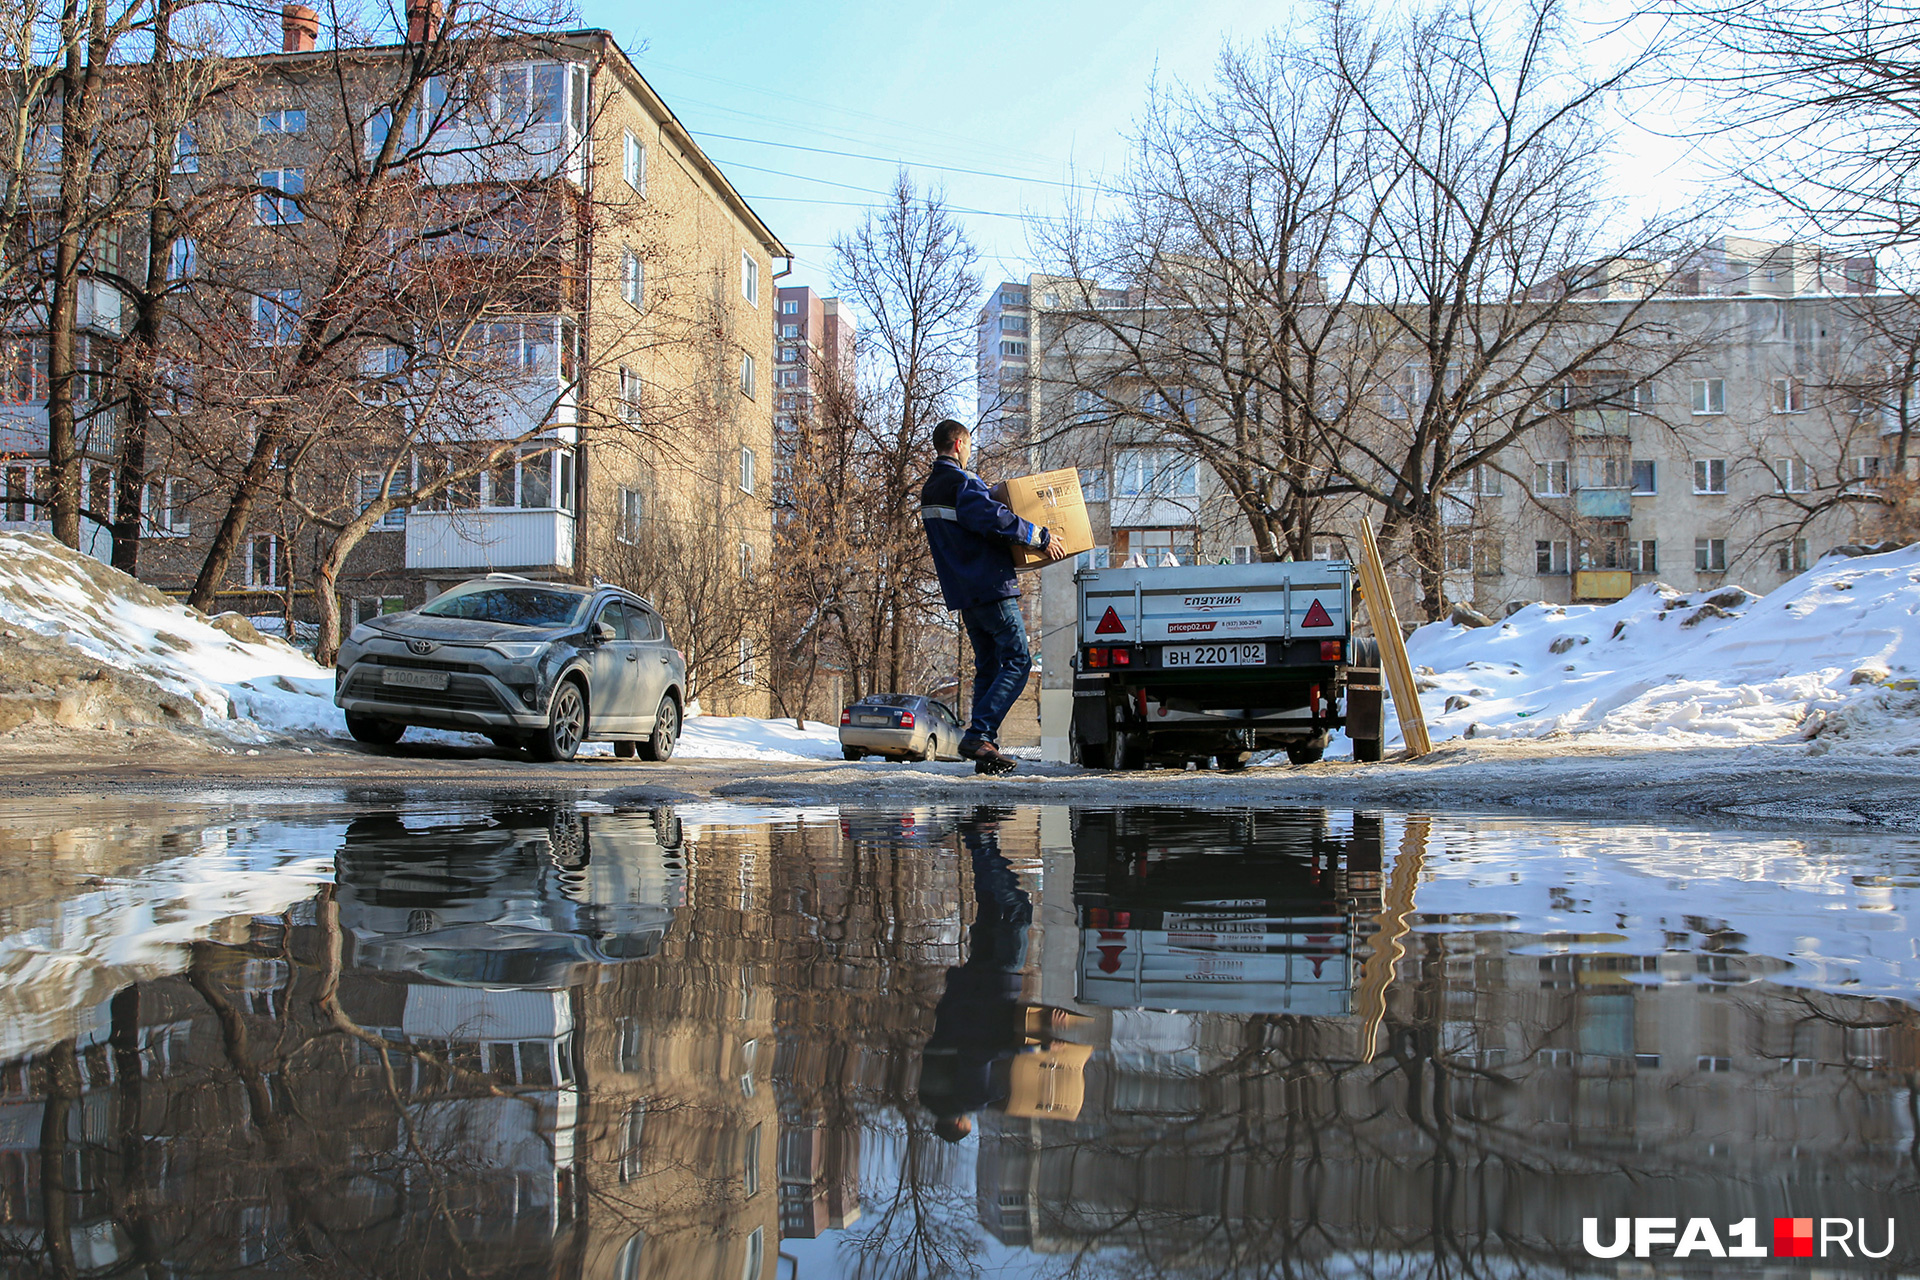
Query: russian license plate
point(1251, 654)
point(414, 679)
point(876, 721)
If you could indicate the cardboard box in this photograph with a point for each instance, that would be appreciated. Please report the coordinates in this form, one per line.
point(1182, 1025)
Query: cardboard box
point(1051, 498)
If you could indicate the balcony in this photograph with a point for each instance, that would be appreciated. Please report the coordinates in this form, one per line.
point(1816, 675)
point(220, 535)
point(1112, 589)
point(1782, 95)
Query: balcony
point(1609, 503)
point(1601, 584)
point(1601, 422)
point(539, 540)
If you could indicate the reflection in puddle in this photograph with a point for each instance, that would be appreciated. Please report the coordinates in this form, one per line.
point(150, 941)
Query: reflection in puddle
point(546, 1039)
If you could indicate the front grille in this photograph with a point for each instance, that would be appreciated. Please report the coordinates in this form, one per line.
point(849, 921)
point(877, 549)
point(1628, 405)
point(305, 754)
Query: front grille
point(463, 692)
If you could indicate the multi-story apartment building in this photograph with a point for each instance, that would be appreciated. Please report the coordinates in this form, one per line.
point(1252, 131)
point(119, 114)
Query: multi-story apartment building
point(1003, 330)
point(813, 340)
point(608, 311)
point(1738, 459)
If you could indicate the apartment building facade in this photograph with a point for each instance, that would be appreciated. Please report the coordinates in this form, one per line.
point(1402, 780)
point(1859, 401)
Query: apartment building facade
point(813, 342)
point(608, 314)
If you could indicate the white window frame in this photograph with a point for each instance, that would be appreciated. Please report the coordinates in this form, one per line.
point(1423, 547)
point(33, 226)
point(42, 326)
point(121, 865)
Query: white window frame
point(747, 661)
point(276, 320)
point(749, 463)
point(1710, 555)
point(633, 278)
point(1643, 555)
point(1792, 475)
point(633, 163)
point(1789, 395)
point(1792, 556)
point(186, 158)
point(281, 210)
point(1704, 476)
point(749, 278)
point(272, 582)
point(1552, 478)
point(632, 515)
point(630, 394)
point(164, 510)
point(280, 123)
point(1709, 397)
point(1869, 466)
point(1144, 473)
point(746, 376)
point(1559, 552)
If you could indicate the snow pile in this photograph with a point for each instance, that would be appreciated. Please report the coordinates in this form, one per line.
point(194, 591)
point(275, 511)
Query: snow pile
point(745, 738)
point(88, 647)
point(1829, 657)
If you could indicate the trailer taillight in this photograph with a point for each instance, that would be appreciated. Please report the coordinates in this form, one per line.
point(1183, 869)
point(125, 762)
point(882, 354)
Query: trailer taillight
point(1329, 651)
point(1122, 657)
point(1096, 657)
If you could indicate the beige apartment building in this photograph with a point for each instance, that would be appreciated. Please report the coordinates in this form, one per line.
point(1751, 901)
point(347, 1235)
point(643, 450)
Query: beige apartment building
point(637, 334)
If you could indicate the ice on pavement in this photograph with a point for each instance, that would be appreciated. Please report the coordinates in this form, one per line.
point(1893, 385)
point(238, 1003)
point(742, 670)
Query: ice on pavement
point(1828, 659)
point(255, 691)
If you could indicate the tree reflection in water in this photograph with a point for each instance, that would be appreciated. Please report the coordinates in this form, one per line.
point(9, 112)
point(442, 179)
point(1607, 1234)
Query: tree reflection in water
point(537, 1039)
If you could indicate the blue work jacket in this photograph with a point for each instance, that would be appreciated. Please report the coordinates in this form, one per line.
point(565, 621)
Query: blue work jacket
point(972, 536)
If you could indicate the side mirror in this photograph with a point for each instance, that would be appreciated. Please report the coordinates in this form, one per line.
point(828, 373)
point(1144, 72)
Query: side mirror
point(603, 631)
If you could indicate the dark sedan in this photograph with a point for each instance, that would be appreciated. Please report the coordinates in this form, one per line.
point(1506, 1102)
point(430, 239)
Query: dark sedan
point(537, 665)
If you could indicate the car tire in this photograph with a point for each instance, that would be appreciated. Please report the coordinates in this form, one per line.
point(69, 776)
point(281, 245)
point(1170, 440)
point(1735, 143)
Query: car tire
point(566, 724)
point(373, 732)
point(1366, 750)
point(626, 750)
point(1305, 755)
point(852, 753)
point(932, 752)
point(666, 732)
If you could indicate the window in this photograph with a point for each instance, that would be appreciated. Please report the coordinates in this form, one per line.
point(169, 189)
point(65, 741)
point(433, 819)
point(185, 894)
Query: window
point(790, 307)
point(183, 259)
point(1155, 473)
point(1013, 349)
point(750, 1162)
point(1397, 397)
point(1867, 467)
point(633, 163)
point(369, 483)
point(746, 376)
point(789, 355)
point(1550, 479)
point(1489, 558)
point(1789, 395)
point(1014, 298)
point(532, 94)
point(263, 560)
point(756, 1255)
point(629, 395)
point(1709, 395)
point(1792, 475)
point(747, 461)
point(1710, 555)
point(1643, 477)
point(626, 1265)
point(789, 330)
point(1013, 324)
point(276, 318)
point(746, 562)
point(164, 502)
point(1098, 558)
point(633, 510)
point(1487, 481)
point(23, 370)
point(1549, 557)
point(746, 664)
point(1093, 484)
point(279, 204)
point(1793, 556)
point(633, 279)
point(1642, 400)
point(1642, 556)
point(291, 120)
point(186, 152)
point(1709, 475)
point(634, 1129)
point(749, 279)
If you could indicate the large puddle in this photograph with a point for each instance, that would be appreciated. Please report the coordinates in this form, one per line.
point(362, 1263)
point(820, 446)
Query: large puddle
point(398, 1038)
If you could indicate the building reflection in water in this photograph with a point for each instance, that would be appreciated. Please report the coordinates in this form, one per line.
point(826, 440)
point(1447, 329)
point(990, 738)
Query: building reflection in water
point(536, 1040)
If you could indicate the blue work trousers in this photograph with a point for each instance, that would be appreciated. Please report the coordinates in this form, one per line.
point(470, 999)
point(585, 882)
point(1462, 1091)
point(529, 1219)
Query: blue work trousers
point(1001, 663)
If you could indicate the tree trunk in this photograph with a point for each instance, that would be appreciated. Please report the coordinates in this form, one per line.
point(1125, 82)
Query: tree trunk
point(79, 91)
point(56, 1197)
point(326, 579)
point(233, 525)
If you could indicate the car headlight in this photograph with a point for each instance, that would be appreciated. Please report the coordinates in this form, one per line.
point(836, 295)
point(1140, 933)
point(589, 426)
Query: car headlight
point(361, 634)
point(519, 650)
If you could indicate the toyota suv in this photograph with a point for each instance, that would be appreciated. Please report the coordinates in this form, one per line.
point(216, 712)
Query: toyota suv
point(542, 666)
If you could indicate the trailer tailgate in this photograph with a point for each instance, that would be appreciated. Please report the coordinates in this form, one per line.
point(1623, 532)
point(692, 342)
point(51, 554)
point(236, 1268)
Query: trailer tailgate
point(1216, 602)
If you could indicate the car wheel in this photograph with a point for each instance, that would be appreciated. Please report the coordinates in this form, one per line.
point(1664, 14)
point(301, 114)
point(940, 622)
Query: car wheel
point(376, 733)
point(1366, 750)
point(667, 831)
point(1305, 755)
point(566, 724)
point(666, 731)
point(933, 748)
point(852, 753)
point(626, 750)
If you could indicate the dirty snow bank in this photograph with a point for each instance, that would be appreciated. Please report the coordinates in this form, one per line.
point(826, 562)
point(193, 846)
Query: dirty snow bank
point(84, 646)
point(1829, 658)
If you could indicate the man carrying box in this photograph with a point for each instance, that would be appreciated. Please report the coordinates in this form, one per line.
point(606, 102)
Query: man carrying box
point(972, 536)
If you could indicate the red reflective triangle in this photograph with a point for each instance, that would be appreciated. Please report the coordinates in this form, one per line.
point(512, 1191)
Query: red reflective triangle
point(1110, 623)
point(1316, 616)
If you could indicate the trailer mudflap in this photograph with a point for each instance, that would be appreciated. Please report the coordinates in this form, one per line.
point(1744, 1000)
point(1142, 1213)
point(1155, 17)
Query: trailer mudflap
point(1364, 702)
point(1090, 717)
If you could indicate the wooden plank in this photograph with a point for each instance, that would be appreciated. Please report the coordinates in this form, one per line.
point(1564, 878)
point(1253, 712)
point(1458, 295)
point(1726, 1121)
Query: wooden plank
point(1387, 946)
point(1393, 646)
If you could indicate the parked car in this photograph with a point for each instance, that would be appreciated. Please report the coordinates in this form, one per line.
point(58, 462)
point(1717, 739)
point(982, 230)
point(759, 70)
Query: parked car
point(899, 726)
point(543, 666)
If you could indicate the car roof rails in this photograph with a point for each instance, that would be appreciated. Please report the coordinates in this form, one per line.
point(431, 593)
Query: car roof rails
point(511, 577)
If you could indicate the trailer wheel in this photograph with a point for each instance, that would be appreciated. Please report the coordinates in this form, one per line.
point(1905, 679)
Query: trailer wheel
point(1086, 755)
point(1305, 755)
point(1233, 761)
point(1127, 748)
point(1366, 750)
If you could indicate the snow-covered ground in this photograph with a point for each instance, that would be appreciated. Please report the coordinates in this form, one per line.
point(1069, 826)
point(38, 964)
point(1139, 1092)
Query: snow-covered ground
point(1829, 659)
point(251, 689)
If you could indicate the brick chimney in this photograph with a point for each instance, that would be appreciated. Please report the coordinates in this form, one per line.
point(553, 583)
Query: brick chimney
point(423, 20)
point(299, 28)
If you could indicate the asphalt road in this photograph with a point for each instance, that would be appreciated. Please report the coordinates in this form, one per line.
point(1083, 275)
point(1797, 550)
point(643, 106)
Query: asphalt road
point(1763, 787)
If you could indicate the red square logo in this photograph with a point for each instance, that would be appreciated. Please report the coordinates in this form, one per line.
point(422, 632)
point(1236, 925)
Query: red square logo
point(1793, 1237)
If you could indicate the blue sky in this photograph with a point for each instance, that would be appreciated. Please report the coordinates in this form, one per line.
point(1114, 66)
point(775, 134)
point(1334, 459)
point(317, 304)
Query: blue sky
point(1037, 93)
